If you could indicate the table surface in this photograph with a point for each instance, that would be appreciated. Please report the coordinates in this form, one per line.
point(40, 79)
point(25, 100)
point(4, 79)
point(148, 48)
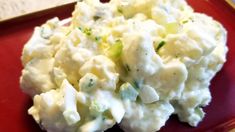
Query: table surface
point(14, 103)
point(13, 8)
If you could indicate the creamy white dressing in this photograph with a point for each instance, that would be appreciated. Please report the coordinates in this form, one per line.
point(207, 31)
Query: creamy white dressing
point(129, 62)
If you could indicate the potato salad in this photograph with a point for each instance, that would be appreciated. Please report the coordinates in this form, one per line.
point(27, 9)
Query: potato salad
point(127, 62)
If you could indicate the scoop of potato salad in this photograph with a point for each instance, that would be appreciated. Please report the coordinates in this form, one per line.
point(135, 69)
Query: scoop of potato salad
point(127, 62)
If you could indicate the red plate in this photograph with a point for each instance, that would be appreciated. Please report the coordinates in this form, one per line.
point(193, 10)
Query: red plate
point(14, 103)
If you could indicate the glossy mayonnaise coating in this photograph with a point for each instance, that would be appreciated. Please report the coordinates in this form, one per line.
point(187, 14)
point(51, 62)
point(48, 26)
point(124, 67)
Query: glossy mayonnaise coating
point(129, 62)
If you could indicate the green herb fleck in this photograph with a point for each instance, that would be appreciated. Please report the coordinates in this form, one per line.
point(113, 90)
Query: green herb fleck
point(136, 84)
point(91, 83)
point(96, 18)
point(68, 33)
point(115, 50)
point(97, 39)
point(172, 27)
point(127, 68)
point(119, 9)
point(87, 31)
point(160, 45)
point(80, 28)
point(185, 21)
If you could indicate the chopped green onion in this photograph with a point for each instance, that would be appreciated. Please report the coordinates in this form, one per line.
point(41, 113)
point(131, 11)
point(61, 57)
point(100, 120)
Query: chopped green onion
point(127, 68)
point(115, 50)
point(97, 39)
point(80, 28)
point(160, 45)
point(136, 84)
point(119, 9)
point(172, 27)
point(91, 83)
point(185, 21)
point(75, 43)
point(68, 33)
point(96, 18)
point(87, 31)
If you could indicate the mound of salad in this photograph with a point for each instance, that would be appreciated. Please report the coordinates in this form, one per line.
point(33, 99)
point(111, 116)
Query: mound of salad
point(127, 62)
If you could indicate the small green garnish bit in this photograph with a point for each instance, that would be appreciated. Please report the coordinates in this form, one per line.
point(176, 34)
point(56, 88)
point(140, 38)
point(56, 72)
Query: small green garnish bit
point(75, 43)
point(91, 83)
point(68, 33)
point(96, 18)
point(119, 9)
point(87, 31)
point(115, 50)
point(160, 45)
point(127, 68)
point(80, 28)
point(97, 39)
point(136, 84)
point(127, 91)
point(185, 21)
point(172, 27)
